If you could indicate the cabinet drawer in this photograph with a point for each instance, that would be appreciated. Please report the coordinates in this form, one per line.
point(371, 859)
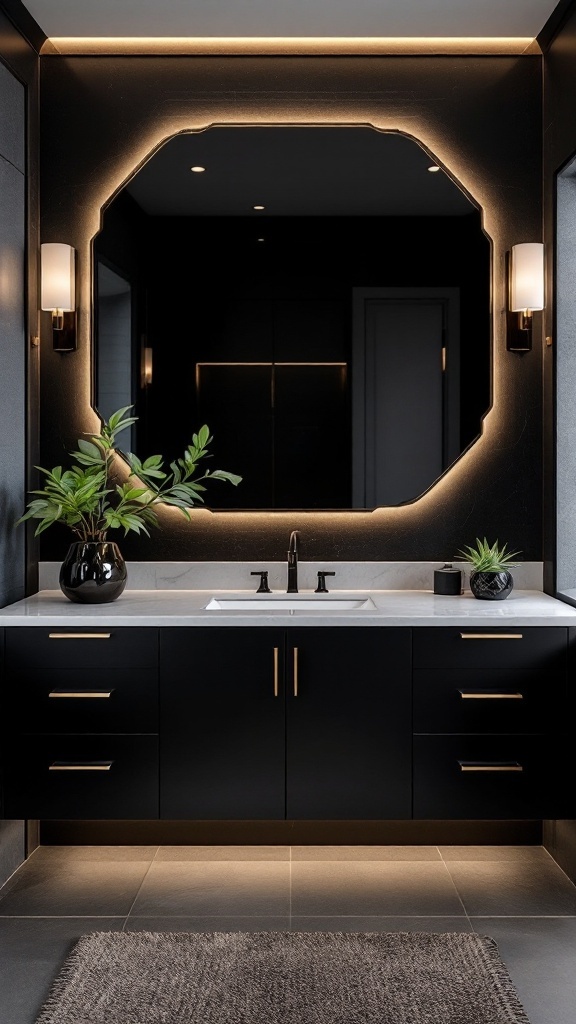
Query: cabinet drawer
point(488, 701)
point(103, 647)
point(83, 700)
point(537, 647)
point(82, 777)
point(489, 777)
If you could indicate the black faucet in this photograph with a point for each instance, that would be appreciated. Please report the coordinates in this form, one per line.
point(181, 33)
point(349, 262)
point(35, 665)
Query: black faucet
point(293, 563)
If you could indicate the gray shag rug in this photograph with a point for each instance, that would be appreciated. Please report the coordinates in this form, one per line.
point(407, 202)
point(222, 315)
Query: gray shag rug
point(283, 978)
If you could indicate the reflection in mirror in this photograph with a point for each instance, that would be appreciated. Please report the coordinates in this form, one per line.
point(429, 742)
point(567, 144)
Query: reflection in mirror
point(115, 350)
point(337, 341)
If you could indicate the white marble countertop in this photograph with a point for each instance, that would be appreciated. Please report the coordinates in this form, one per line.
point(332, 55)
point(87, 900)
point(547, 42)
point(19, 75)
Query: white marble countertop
point(392, 608)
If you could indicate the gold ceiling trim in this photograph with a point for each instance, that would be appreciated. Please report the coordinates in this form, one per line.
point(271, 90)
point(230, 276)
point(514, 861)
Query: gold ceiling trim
point(296, 46)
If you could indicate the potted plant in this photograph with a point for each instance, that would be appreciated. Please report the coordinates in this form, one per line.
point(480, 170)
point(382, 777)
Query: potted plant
point(490, 579)
point(86, 500)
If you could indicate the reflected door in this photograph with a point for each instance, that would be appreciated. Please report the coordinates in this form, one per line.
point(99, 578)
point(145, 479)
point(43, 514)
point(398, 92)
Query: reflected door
point(405, 410)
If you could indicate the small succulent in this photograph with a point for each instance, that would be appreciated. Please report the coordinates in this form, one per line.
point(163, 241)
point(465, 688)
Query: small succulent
point(488, 558)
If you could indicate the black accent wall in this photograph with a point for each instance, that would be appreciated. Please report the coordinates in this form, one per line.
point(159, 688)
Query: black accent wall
point(480, 116)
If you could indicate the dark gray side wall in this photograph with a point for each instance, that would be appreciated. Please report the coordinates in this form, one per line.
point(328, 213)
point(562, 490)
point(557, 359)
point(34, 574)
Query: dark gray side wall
point(12, 334)
point(12, 379)
point(18, 320)
point(559, 424)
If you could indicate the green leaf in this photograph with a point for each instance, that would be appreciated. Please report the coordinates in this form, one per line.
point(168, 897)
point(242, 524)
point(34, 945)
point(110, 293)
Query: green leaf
point(128, 493)
point(203, 437)
point(116, 417)
point(88, 448)
point(222, 474)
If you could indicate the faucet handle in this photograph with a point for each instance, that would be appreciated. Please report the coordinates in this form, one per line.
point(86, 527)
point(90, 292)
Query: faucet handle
point(263, 574)
point(322, 588)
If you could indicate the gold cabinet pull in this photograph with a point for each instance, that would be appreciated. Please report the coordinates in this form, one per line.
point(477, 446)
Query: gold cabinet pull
point(80, 694)
point(80, 766)
point(275, 671)
point(489, 695)
point(295, 655)
point(79, 636)
point(490, 766)
point(491, 636)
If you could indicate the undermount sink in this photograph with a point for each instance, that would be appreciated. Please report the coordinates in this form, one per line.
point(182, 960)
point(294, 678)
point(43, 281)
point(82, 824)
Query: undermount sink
point(296, 603)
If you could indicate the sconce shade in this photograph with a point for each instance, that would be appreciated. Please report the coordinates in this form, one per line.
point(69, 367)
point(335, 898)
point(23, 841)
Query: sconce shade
point(527, 277)
point(57, 277)
point(146, 367)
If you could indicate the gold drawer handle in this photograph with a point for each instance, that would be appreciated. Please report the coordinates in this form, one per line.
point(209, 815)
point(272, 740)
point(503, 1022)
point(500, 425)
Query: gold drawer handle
point(491, 636)
point(81, 766)
point(295, 654)
point(79, 636)
point(487, 766)
point(275, 671)
point(80, 693)
point(489, 695)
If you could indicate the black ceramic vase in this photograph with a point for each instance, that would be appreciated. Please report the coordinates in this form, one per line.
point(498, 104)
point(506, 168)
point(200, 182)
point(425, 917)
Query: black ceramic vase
point(491, 586)
point(93, 572)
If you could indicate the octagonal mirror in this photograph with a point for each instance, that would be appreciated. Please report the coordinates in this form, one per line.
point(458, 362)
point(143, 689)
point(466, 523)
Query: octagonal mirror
point(319, 296)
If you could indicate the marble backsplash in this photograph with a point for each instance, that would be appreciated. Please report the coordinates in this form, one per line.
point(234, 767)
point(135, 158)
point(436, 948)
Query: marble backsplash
point(236, 575)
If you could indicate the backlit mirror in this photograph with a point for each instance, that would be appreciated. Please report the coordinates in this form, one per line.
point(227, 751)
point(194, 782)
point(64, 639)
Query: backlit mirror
point(319, 296)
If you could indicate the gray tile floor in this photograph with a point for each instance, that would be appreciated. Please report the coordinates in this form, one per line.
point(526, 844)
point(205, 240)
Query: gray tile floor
point(518, 895)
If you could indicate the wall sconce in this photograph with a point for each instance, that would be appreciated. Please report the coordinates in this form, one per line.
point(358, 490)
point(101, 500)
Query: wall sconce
point(146, 366)
point(58, 292)
point(526, 293)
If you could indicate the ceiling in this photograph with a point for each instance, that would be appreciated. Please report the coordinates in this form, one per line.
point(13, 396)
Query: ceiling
point(294, 171)
point(291, 18)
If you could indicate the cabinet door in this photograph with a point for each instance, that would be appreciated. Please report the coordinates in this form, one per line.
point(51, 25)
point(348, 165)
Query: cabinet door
point(222, 723)
point(348, 706)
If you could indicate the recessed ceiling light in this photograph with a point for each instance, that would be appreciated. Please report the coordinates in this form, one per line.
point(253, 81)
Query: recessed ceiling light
point(257, 207)
point(197, 169)
point(433, 168)
point(260, 239)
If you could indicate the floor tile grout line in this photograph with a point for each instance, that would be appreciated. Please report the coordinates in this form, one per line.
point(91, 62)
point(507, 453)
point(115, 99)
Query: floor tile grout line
point(144, 877)
point(327, 917)
point(457, 891)
point(556, 864)
point(62, 917)
point(526, 916)
point(249, 917)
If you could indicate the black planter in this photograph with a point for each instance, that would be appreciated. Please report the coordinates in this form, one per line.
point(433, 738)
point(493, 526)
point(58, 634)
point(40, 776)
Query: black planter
point(93, 572)
point(491, 586)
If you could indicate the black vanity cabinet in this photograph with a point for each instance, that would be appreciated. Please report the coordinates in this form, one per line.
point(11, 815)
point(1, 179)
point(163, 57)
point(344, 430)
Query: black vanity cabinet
point(262, 723)
point(82, 705)
point(299, 723)
point(489, 717)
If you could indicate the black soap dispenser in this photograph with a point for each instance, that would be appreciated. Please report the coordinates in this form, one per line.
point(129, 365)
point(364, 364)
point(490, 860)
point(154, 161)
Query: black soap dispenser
point(447, 580)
